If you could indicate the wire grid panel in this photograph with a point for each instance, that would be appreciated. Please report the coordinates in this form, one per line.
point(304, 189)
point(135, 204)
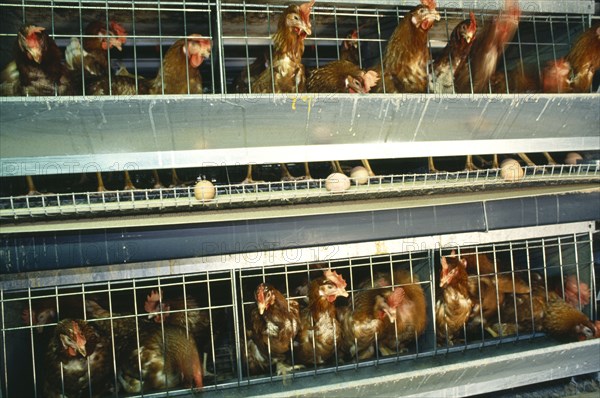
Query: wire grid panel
point(241, 32)
point(199, 305)
point(285, 192)
point(224, 300)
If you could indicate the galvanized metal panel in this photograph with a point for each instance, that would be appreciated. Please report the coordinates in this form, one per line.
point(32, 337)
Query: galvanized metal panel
point(454, 375)
point(58, 135)
point(271, 256)
point(43, 251)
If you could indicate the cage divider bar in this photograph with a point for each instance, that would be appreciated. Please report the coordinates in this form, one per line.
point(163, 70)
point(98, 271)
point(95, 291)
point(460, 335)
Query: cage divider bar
point(246, 49)
point(160, 49)
point(595, 293)
point(481, 327)
point(221, 48)
point(514, 286)
point(236, 305)
point(561, 267)
point(211, 329)
point(432, 269)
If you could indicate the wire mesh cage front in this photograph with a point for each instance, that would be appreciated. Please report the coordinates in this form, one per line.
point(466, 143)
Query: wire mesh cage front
point(242, 47)
point(214, 316)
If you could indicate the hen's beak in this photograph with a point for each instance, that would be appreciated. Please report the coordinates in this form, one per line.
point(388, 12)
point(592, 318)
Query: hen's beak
point(36, 54)
point(342, 292)
point(303, 28)
point(391, 313)
point(81, 350)
point(261, 307)
point(205, 51)
point(469, 37)
point(116, 42)
point(444, 280)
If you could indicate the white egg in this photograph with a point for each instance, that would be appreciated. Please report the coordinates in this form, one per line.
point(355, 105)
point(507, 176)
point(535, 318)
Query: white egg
point(337, 182)
point(204, 190)
point(360, 175)
point(511, 170)
point(573, 158)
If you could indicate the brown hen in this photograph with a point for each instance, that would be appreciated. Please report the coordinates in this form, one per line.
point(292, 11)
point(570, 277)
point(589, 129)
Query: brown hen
point(76, 344)
point(275, 322)
point(286, 74)
point(584, 58)
point(454, 304)
point(453, 56)
point(411, 312)
point(544, 310)
point(168, 356)
point(407, 55)
point(182, 60)
point(474, 76)
point(320, 331)
point(363, 326)
point(341, 77)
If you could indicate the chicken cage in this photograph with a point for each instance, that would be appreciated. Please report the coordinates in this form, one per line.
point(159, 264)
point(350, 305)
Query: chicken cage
point(170, 276)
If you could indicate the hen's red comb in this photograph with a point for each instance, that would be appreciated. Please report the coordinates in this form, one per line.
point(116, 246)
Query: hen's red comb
point(429, 4)
point(260, 294)
point(117, 29)
point(305, 11)
point(198, 38)
point(35, 29)
point(76, 329)
point(152, 301)
point(79, 337)
point(336, 278)
point(396, 298)
point(473, 23)
point(444, 264)
point(354, 35)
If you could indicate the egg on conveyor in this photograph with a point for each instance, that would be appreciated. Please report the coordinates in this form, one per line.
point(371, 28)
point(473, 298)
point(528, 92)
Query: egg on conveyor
point(204, 190)
point(360, 175)
point(511, 170)
point(337, 182)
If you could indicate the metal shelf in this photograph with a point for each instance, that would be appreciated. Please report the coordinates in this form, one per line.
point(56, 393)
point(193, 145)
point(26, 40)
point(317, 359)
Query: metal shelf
point(51, 135)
